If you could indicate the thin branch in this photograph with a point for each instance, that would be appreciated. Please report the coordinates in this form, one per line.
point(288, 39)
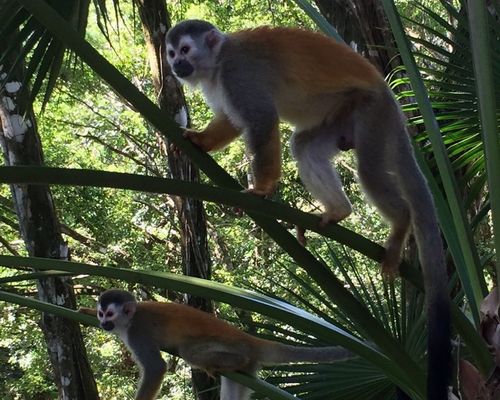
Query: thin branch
point(8, 246)
point(117, 151)
point(138, 144)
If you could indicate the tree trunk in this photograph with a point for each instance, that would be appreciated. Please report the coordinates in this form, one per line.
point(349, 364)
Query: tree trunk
point(40, 230)
point(363, 26)
point(191, 214)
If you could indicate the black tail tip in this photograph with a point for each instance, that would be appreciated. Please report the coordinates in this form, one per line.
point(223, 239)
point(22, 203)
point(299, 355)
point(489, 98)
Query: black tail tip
point(439, 352)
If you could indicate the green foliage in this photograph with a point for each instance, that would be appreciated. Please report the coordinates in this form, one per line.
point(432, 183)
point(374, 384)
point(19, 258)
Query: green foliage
point(23, 357)
point(447, 69)
point(87, 125)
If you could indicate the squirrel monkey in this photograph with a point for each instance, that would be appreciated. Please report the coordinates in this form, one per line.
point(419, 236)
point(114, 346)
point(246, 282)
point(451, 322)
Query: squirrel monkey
point(201, 339)
point(337, 101)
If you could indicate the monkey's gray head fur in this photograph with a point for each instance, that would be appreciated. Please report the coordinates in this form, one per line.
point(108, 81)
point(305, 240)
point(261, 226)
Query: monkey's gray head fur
point(115, 308)
point(190, 27)
point(192, 48)
point(117, 296)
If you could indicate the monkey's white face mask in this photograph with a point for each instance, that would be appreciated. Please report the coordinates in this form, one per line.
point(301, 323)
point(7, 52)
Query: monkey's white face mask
point(194, 58)
point(115, 316)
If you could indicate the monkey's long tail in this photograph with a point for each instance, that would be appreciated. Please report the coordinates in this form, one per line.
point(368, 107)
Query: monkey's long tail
point(431, 255)
point(276, 353)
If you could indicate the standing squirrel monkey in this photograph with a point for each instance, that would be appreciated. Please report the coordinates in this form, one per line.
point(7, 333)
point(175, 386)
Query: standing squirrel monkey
point(337, 101)
point(201, 339)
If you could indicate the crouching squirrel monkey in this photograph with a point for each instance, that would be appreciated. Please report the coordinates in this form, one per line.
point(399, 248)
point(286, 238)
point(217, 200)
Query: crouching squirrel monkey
point(201, 339)
point(337, 101)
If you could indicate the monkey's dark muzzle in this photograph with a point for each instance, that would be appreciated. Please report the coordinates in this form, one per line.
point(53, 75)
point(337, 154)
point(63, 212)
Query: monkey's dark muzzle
point(108, 326)
point(183, 68)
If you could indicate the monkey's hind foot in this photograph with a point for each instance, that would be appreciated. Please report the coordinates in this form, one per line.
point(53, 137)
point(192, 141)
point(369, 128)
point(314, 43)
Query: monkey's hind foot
point(390, 268)
point(300, 234)
point(392, 256)
point(259, 192)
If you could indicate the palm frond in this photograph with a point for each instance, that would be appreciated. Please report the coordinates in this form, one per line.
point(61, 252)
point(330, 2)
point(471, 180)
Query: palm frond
point(46, 54)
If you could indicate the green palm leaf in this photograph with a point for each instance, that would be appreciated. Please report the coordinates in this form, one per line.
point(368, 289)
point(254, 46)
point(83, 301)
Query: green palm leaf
point(466, 257)
point(46, 52)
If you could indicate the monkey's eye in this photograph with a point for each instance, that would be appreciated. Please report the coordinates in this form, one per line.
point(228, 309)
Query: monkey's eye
point(171, 53)
point(101, 314)
point(184, 49)
point(109, 314)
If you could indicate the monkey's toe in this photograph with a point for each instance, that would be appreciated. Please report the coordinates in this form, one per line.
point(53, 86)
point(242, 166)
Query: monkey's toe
point(332, 217)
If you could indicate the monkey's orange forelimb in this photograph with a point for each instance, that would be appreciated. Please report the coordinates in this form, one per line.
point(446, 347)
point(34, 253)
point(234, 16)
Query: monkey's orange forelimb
point(218, 134)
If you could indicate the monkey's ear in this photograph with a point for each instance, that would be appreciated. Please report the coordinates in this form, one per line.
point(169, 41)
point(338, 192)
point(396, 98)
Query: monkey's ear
point(212, 38)
point(129, 308)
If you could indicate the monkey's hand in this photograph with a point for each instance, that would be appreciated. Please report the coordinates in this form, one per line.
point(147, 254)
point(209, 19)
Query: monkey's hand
point(88, 311)
point(203, 141)
point(260, 191)
point(194, 137)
